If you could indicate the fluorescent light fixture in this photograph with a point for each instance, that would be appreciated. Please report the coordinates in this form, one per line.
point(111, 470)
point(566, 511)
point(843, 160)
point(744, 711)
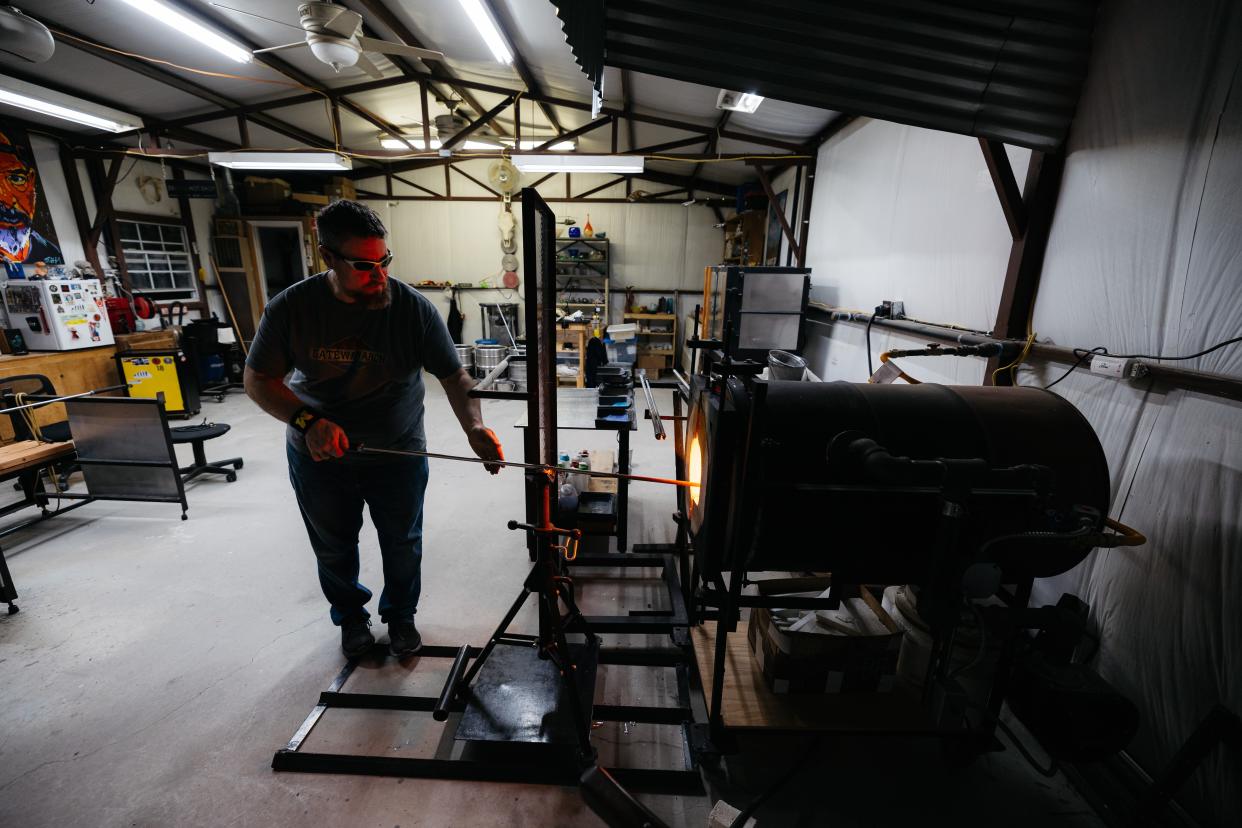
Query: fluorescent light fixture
point(389, 142)
point(46, 102)
point(559, 146)
point(540, 163)
point(187, 25)
point(488, 30)
point(281, 160)
point(738, 101)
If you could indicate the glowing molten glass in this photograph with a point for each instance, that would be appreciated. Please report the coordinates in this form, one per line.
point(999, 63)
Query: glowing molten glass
point(695, 470)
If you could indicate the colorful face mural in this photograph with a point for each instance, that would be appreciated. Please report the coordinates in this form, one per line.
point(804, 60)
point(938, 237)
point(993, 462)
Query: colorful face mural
point(26, 233)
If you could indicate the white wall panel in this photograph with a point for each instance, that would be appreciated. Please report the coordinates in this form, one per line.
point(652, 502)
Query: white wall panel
point(1144, 256)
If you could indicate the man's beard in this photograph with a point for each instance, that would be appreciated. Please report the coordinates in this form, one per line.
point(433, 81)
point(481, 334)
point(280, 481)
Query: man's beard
point(373, 301)
point(15, 235)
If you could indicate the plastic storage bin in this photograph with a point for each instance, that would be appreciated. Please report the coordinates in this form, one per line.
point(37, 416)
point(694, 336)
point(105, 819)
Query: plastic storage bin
point(625, 351)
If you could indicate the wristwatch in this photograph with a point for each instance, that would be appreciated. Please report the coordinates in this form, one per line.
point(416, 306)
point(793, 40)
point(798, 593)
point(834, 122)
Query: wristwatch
point(304, 418)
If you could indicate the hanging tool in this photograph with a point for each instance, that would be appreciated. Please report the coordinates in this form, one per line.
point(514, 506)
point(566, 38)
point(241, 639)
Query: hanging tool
point(533, 466)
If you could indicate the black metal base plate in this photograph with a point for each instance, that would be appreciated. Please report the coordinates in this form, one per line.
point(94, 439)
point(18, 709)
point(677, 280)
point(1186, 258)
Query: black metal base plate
point(519, 697)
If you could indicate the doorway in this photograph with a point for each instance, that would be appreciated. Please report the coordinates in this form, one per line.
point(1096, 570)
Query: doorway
point(280, 252)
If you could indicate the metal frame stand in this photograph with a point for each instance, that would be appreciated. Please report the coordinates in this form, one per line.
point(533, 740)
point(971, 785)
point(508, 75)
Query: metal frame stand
point(482, 760)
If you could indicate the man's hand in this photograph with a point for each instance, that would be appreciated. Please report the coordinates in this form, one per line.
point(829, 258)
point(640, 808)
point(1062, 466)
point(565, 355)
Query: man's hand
point(325, 440)
point(484, 443)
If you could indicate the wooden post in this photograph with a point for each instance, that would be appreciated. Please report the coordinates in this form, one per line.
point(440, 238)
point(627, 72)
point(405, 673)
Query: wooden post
point(80, 216)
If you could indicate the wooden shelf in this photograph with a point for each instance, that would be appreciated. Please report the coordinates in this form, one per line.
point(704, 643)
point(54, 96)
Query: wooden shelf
point(649, 316)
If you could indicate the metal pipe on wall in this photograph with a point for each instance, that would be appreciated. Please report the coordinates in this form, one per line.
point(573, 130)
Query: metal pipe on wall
point(1216, 385)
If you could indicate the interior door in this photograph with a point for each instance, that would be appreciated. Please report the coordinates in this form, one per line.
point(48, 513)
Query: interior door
point(280, 253)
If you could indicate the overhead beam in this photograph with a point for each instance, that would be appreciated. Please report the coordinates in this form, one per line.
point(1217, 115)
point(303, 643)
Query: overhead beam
point(1006, 185)
point(1026, 255)
point(575, 133)
point(627, 104)
point(766, 182)
point(180, 133)
point(474, 125)
point(566, 103)
point(152, 71)
point(830, 129)
point(666, 146)
point(711, 146)
point(438, 70)
point(604, 186)
point(283, 67)
point(103, 203)
point(81, 218)
point(500, 13)
point(410, 183)
point(476, 181)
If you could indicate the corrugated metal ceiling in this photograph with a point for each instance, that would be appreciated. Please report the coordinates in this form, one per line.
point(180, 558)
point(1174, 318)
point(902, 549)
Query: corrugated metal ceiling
point(1004, 69)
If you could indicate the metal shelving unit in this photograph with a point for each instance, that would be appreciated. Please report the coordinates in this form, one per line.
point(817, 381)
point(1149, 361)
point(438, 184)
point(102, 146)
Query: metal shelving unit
point(583, 268)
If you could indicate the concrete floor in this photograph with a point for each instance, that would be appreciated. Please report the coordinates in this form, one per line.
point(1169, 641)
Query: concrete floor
point(157, 664)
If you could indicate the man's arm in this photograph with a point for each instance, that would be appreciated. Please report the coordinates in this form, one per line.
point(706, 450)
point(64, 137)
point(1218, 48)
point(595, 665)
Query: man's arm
point(324, 439)
point(482, 440)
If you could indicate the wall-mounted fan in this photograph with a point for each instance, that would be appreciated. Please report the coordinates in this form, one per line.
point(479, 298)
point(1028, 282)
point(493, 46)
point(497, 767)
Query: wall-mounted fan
point(503, 176)
point(334, 35)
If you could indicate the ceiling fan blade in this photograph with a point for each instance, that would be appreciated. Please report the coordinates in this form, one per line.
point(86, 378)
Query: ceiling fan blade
point(387, 47)
point(261, 17)
point(364, 63)
point(279, 48)
point(345, 23)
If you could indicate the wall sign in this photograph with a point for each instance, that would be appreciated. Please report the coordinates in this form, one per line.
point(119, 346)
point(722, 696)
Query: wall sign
point(190, 188)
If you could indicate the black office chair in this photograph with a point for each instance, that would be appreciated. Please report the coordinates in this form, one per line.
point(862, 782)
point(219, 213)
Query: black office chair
point(196, 435)
point(56, 432)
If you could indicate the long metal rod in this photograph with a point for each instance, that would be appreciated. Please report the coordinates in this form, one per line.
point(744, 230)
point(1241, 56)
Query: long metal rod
point(534, 466)
point(656, 424)
point(52, 400)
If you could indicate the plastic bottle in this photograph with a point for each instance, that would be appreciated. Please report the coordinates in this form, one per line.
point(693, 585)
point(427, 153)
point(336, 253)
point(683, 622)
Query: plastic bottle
point(568, 498)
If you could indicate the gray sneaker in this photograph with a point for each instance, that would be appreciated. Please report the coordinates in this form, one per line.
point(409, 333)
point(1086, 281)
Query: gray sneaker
point(403, 638)
point(356, 638)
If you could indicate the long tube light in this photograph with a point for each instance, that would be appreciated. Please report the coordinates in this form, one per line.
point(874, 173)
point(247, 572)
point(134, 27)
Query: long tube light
point(187, 25)
point(388, 142)
point(66, 113)
point(326, 161)
point(488, 30)
point(545, 163)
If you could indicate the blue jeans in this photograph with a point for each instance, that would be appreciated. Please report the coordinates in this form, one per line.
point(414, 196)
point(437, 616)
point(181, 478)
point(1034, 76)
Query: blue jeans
point(331, 494)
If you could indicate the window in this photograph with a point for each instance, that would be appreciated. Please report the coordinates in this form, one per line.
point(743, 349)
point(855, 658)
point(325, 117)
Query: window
point(157, 256)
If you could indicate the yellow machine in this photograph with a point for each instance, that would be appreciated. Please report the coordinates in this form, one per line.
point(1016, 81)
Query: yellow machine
point(152, 373)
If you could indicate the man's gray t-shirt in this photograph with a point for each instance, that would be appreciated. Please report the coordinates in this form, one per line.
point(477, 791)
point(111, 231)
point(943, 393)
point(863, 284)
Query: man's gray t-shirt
point(360, 367)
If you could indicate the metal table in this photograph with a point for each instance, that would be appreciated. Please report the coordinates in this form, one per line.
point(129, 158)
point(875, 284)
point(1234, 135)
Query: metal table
point(575, 411)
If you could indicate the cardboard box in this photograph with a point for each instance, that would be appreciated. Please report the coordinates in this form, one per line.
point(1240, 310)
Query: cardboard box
point(652, 362)
point(817, 662)
point(266, 191)
point(341, 188)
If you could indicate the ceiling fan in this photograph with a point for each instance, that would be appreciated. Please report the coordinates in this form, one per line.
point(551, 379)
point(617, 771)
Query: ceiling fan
point(334, 35)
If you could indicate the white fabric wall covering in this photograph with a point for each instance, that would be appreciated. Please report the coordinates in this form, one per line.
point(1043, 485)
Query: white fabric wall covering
point(1144, 257)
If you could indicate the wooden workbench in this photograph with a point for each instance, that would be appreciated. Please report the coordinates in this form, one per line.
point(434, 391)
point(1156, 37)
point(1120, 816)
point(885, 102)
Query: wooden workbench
point(73, 372)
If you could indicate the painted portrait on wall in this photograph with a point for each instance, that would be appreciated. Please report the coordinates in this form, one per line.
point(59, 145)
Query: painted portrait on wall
point(26, 232)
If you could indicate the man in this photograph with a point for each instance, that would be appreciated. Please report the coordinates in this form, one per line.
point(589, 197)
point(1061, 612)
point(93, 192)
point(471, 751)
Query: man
point(339, 357)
